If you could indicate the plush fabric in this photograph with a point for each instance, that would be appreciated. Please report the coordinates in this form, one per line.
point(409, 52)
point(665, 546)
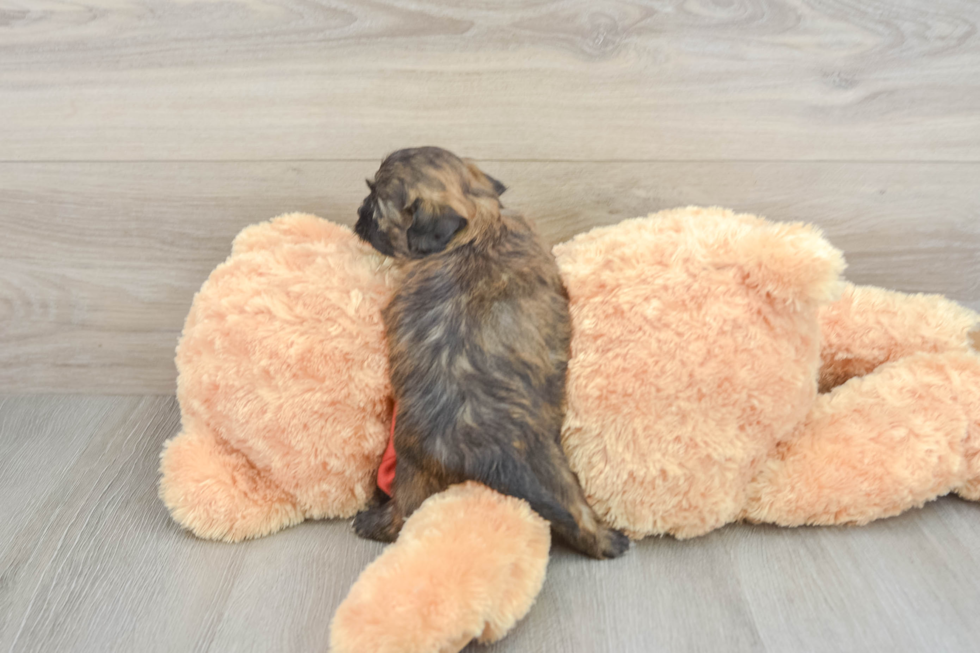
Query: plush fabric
point(699, 339)
point(283, 383)
point(868, 327)
point(694, 348)
point(701, 342)
point(467, 565)
point(878, 445)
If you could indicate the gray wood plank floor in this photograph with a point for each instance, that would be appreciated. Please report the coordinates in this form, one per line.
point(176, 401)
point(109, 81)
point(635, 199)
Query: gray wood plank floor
point(89, 561)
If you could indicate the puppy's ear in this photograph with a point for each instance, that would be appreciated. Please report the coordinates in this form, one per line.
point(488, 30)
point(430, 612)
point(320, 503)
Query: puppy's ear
point(432, 229)
point(498, 187)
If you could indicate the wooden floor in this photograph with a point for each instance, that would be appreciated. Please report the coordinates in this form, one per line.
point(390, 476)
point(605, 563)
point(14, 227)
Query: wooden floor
point(138, 136)
point(90, 561)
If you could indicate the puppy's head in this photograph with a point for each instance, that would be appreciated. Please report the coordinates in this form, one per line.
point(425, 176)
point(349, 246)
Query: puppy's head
point(424, 200)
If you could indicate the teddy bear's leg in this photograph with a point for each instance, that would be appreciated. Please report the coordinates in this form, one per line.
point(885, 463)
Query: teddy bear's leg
point(870, 326)
point(467, 565)
point(969, 391)
point(878, 445)
point(216, 493)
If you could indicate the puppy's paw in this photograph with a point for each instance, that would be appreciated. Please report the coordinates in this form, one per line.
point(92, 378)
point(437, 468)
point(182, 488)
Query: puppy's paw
point(377, 523)
point(612, 543)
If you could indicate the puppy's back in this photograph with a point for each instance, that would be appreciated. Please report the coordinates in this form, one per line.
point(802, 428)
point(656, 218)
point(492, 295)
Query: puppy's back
point(479, 339)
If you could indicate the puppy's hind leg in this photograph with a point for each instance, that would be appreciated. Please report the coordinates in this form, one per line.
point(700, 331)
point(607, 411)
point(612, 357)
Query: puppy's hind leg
point(593, 537)
point(570, 516)
point(381, 523)
point(596, 538)
point(410, 488)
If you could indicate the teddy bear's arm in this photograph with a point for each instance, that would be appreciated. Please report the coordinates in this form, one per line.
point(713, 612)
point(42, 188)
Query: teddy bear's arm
point(878, 445)
point(215, 492)
point(870, 326)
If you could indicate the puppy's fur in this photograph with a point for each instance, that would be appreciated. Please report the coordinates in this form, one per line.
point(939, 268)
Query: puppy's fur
point(478, 336)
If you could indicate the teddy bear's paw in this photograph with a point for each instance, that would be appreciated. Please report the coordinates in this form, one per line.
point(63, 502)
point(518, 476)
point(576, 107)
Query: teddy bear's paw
point(970, 491)
point(217, 494)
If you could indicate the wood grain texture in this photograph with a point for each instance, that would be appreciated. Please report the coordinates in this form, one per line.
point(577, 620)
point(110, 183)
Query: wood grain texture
point(893, 80)
point(904, 584)
point(140, 135)
point(99, 261)
point(90, 561)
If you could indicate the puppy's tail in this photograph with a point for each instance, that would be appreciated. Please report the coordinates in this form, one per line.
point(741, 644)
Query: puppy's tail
point(468, 564)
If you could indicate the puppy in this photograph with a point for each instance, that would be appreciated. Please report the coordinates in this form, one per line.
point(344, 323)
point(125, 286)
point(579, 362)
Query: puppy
point(478, 336)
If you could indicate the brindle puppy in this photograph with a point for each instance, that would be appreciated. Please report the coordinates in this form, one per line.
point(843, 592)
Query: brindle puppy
point(478, 337)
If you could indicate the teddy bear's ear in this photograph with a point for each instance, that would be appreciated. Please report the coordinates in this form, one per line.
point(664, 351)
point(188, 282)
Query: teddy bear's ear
point(792, 262)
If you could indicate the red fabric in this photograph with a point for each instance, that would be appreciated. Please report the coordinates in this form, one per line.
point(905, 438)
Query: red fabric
point(386, 473)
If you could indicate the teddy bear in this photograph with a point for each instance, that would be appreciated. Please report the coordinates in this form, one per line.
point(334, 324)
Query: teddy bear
point(721, 370)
